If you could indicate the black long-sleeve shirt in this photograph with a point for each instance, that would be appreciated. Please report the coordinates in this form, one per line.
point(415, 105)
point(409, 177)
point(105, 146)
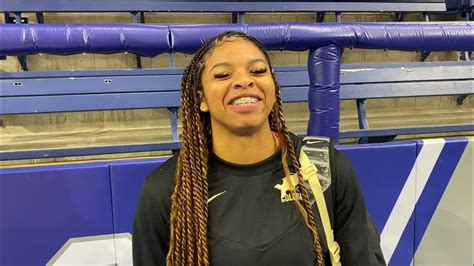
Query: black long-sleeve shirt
point(248, 223)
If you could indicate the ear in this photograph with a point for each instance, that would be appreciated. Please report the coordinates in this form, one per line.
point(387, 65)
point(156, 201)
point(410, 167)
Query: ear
point(203, 106)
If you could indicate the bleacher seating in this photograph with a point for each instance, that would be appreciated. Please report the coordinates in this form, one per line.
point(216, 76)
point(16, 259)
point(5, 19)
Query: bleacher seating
point(40, 92)
point(26, 92)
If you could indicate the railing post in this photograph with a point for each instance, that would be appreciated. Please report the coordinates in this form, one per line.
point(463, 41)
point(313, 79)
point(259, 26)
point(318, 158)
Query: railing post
point(324, 65)
point(174, 123)
point(362, 116)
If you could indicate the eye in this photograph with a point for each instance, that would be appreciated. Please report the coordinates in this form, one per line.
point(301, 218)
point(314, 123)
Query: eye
point(221, 75)
point(259, 70)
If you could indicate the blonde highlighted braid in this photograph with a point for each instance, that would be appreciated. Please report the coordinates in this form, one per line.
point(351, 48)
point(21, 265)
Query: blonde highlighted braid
point(189, 209)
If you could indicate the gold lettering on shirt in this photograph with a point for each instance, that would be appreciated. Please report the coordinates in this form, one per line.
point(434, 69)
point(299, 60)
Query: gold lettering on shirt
point(285, 188)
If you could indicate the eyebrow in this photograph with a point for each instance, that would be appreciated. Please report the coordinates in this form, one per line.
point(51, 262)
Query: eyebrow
point(226, 64)
point(220, 64)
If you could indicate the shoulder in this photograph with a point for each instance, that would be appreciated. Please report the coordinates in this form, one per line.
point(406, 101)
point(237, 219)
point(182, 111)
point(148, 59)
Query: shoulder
point(341, 162)
point(159, 184)
point(347, 182)
point(164, 174)
point(152, 216)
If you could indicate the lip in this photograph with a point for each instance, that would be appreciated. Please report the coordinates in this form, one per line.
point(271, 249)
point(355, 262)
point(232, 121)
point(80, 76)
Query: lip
point(244, 95)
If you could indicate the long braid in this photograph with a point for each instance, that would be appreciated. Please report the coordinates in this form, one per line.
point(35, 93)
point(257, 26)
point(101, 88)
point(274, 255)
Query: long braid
point(189, 160)
point(189, 208)
point(288, 149)
point(200, 185)
point(189, 201)
point(199, 177)
point(202, 189)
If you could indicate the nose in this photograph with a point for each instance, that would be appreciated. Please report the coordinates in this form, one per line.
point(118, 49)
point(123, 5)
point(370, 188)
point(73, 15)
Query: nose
point(242, 81)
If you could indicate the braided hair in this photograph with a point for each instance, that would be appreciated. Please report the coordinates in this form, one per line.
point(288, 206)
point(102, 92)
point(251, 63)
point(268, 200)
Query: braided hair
point(189, 208)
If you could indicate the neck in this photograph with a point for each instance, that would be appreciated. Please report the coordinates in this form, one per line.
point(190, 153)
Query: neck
point(245, 148)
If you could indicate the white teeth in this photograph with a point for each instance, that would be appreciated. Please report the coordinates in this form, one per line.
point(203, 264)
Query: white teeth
point(245, 100)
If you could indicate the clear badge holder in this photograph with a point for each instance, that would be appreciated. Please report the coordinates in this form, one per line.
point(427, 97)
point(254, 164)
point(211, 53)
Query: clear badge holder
point(317, 151)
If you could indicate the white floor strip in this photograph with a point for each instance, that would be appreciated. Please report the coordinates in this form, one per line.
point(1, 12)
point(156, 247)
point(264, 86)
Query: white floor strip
point(405, 205)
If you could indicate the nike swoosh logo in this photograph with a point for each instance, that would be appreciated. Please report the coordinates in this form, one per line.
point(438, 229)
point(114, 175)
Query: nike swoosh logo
point(312, 141)
point(214, 197)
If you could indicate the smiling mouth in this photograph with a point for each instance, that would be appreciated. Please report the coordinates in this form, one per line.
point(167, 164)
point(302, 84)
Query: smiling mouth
point(245, 101)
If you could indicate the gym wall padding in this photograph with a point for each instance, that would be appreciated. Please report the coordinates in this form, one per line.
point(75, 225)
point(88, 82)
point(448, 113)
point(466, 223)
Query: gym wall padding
point(383, 171)
point(42, 207)
point(419, 193)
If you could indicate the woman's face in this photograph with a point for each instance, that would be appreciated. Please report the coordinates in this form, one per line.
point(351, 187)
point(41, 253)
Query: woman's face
point(239, 91)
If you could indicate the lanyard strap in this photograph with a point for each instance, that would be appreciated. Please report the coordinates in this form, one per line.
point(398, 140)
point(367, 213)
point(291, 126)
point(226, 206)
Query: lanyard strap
point(309, 172)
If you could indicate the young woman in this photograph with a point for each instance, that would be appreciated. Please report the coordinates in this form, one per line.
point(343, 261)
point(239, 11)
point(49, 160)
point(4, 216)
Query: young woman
point(216, 202)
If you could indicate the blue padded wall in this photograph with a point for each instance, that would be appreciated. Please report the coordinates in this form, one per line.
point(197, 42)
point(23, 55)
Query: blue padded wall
point(383, 171)
point(42, 207)
point(404, 183)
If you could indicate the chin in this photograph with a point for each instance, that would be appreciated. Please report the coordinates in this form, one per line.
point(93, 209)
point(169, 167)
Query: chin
point(249, 128)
